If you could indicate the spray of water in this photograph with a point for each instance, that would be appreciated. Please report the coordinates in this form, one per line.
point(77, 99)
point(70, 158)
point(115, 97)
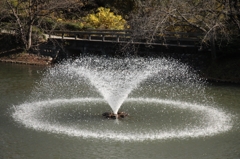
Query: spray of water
point(114, 78)
point(113, 82)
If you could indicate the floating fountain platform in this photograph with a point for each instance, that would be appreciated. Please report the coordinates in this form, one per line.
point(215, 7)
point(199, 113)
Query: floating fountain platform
point(111, 115)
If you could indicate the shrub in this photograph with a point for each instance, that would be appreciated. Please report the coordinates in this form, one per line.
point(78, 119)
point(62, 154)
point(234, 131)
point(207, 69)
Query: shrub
point(72, 26)
point(48, 24)
point(104, 19)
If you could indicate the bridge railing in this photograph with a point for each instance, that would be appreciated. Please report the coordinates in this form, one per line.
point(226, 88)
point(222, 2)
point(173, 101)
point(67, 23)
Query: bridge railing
point(92, 35)
point(123, 36)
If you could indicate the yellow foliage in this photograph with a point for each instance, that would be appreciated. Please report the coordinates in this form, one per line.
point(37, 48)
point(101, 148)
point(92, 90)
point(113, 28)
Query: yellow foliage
point(14, 2)
point(104, 19)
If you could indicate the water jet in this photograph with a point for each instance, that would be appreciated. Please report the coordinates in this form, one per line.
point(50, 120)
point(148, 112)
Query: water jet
point(164, 97)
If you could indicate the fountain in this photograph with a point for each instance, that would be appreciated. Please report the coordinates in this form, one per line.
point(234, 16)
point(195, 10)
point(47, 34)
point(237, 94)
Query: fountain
point(163, 97)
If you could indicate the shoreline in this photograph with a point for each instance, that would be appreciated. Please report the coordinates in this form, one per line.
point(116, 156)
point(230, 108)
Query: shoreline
point(25, 63)
point(27, 59)
point(215, 80)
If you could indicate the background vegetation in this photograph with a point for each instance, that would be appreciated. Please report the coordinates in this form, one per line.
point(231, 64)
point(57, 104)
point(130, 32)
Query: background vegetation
point(23, 23)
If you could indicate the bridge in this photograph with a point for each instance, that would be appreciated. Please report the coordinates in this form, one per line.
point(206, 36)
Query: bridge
point(105, 41)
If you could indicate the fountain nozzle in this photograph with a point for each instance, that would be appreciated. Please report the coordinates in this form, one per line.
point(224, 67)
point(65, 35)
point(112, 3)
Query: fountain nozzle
point(111, 115)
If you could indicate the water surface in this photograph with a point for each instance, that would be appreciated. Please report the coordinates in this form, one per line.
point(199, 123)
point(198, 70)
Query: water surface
point(18, 141)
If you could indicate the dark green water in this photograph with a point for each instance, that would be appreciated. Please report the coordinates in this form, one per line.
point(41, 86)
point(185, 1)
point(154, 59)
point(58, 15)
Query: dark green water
point(19, 142)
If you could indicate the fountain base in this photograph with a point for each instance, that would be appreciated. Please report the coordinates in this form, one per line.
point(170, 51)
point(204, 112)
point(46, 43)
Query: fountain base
point(111, 115)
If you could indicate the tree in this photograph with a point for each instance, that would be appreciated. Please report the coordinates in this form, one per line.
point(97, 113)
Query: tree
point(212, 18)
point(27, 13)
point(233, 11)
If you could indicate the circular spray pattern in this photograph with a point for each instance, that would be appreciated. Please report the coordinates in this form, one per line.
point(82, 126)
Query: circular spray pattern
point(215, 120)
point(110, 82)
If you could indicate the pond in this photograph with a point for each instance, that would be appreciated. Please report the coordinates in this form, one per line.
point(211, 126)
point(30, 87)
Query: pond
point(72, 127)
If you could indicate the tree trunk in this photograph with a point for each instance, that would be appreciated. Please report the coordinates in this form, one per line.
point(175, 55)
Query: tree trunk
point(20, 26)
point(29, 44)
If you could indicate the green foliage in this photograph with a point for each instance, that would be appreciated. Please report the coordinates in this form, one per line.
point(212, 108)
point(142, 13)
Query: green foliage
point(60, 24)
point(14, 3)
point(72, 26)
point(36, 30)
point(7, 25)
point(48, 23)
point(37, 34)
point(104, 19)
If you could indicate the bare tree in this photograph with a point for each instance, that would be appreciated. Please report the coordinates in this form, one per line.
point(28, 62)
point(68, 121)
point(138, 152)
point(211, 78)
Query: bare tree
point(233, 11)
point(26, 13)
point(211, 18)
point(2, 10)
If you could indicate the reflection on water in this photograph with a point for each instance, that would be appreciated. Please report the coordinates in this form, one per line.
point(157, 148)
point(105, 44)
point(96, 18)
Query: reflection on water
point(16, 141)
